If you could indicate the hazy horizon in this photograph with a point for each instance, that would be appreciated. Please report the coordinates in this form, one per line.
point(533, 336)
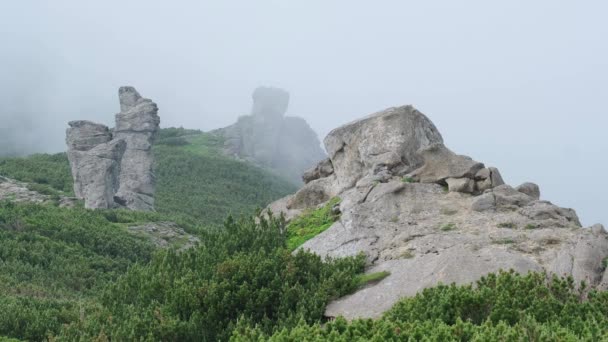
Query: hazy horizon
point(516, 85)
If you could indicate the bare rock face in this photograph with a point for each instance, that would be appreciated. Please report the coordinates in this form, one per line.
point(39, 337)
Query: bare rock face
point(385, 141)
point(113, 170)
point(137, 124)
point(95, 162)
point(427, 215)
point(286, 145)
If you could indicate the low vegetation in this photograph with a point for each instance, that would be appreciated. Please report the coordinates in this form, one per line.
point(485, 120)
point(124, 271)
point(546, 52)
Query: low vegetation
point(371, 278)
point(448, 227)
point(311, 224)
point(500, 307)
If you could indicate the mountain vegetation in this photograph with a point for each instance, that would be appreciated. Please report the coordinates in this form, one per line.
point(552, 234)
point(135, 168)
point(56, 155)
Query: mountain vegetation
point(194, 178)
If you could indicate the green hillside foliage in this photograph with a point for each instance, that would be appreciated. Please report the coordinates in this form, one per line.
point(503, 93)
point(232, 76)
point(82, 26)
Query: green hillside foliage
point(193, 177)
point(196, 179)
point(242, 272)
point(501, 307)
point(52, 170)
point(53, 258)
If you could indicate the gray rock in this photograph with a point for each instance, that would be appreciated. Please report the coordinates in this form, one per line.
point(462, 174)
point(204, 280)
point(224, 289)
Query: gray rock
point(112, 170)
point(543, 211)
point(313, 193)
point(388, 139)
point(286, 145)
point(84, 135)
point(529, 189)
point(440, 164)
point(322, 170)
point(96, 173)
point(465, 185)
point(506, 196)
point(137, 124)
point(484, 202)
point(422, 235)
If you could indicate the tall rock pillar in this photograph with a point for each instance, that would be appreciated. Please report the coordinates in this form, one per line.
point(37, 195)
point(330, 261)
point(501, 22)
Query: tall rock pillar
point(137, 124)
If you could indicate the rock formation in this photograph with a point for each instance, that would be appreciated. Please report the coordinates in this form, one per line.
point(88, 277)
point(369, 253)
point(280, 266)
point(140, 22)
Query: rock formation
point(137, 124)
point(114, 169)
point(428, 215)
point(267, 137)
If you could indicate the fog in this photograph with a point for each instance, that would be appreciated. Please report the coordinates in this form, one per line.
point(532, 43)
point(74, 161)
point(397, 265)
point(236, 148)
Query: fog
point(520, 85)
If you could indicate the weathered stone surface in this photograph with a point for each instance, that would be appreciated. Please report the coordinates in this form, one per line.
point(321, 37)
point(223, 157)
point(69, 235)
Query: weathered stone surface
point(321, 170)
point(95, 163)
point(484, 202)
point(137, 124)
point(286, 145)
point(313, 193)
point(387, 140)
point(529, 189)
point(440, 164)
point(111, 170)
point(96, 173)
point(506, 196)
point(424, 235)
point(84, 135)
point(465, 185)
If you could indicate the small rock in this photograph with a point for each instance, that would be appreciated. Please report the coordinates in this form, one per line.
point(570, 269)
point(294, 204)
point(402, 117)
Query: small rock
point(321, 170)
point(484, 202)
point(529, 189)
point(507, 196)
point(465, 185)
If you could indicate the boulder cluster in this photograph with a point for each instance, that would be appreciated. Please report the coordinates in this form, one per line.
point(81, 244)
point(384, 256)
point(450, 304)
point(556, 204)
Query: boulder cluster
point(114, 168)
point(284, 144)
point(427, 215)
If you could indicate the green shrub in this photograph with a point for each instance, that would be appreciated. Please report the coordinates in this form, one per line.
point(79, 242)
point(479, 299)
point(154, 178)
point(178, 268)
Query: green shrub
point(311, 224)
point(500, 307)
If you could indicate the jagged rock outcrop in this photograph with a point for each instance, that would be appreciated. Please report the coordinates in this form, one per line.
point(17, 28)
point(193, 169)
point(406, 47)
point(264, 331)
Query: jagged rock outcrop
point(429, 216)
point(114, 169)
point(137, 124)
point(267, 137)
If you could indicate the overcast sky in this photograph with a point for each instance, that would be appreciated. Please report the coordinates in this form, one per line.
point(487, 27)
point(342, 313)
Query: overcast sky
point(521, 85)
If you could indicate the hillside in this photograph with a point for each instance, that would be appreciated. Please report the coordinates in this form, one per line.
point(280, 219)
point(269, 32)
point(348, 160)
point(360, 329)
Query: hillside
point(194, 178)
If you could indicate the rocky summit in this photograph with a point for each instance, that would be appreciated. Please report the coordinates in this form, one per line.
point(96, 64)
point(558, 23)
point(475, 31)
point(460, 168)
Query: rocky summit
point(426, 215)
point(114, 168)
point(284, 144)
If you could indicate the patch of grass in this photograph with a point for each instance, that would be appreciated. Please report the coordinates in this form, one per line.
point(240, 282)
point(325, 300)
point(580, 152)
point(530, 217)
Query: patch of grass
point(366, 279)
point(605, 263)
point(531, 226)
point(52, 170)
point(311, 224)
point(407, 255)
point(509, 225)
point(503, 241)
point(407, 179)
point(395, 219)
point(448, 226)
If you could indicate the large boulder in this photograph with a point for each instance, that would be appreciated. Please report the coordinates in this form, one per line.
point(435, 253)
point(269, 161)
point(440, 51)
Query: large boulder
point(137, 124)
point(388, 140)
